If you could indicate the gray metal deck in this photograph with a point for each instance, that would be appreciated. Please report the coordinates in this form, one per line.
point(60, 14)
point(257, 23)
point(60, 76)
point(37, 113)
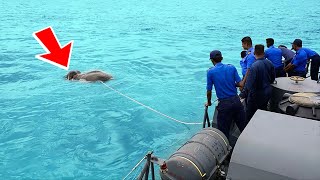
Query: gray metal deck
point(277, 146)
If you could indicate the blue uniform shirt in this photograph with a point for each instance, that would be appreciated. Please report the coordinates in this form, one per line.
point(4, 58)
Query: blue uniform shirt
point(262, 74)
point(275, 56)
point(287, 53)
point(242, 67)
point(300, 60)
point(309, 52)
point(248, 60)
point(224, 78)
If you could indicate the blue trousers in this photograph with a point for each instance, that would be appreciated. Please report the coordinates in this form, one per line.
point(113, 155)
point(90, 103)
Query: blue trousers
point(280, 72)
point(257, 101)
point(315, 64)
point(230, 110)
point(297, 73)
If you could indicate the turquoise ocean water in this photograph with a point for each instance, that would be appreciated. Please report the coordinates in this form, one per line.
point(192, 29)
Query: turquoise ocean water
point(157, 52)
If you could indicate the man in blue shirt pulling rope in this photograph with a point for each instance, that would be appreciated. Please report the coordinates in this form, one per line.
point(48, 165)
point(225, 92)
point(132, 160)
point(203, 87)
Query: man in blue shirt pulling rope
point(297, 67)
point(225, 79)
point(275, 56)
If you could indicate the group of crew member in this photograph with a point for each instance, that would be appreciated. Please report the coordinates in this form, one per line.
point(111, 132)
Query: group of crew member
point(259, 67)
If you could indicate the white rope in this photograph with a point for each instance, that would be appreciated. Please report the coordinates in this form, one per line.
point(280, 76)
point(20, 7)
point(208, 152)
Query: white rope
point(134, 167)
point(182, 122)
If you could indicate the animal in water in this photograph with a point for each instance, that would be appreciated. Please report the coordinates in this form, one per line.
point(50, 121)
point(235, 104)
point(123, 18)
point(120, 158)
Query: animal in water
point(90, 76)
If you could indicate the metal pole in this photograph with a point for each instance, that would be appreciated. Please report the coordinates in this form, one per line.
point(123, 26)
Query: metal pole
point(148, 166)
point(152, 171)
point(205, 117)
point(208, 120)
point(134, 167)
point(145, 170)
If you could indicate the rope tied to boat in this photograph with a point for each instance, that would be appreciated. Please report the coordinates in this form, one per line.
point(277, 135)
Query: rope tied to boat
point(151, 109)
point(134, 168)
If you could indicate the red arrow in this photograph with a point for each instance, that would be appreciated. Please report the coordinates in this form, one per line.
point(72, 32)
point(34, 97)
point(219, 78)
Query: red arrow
point(55, 54)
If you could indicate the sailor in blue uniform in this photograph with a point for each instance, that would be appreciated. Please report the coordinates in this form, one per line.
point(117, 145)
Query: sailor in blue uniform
point(258, 85)
point(225, 79)
point(297, 67)
point(275, 56)
point(249, 59)
point(315, 63)
point(287, 54)
point(243, 54)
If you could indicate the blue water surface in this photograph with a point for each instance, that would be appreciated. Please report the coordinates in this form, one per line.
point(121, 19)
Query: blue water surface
point(158, 53)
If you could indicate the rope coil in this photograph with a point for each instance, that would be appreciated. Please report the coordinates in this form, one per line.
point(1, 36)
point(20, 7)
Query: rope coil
point(148, 107)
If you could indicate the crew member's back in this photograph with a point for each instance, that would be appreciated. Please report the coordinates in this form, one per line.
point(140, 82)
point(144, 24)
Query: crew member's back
point(275, 56)
point(225, 79)
point(258, 85)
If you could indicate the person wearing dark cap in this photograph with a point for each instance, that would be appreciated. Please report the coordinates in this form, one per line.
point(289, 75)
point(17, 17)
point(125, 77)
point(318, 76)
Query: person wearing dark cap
point(297, 67)
point(225, 79)
point(249, 59)
point(287, 54)
point(258, 85)
point(275, 56)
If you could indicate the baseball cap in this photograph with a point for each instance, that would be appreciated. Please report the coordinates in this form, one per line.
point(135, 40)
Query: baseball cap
point(215, 53)
point(297, 42)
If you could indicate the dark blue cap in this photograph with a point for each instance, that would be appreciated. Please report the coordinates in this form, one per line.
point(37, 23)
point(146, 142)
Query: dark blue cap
point(297, 42)
point(215, 53)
